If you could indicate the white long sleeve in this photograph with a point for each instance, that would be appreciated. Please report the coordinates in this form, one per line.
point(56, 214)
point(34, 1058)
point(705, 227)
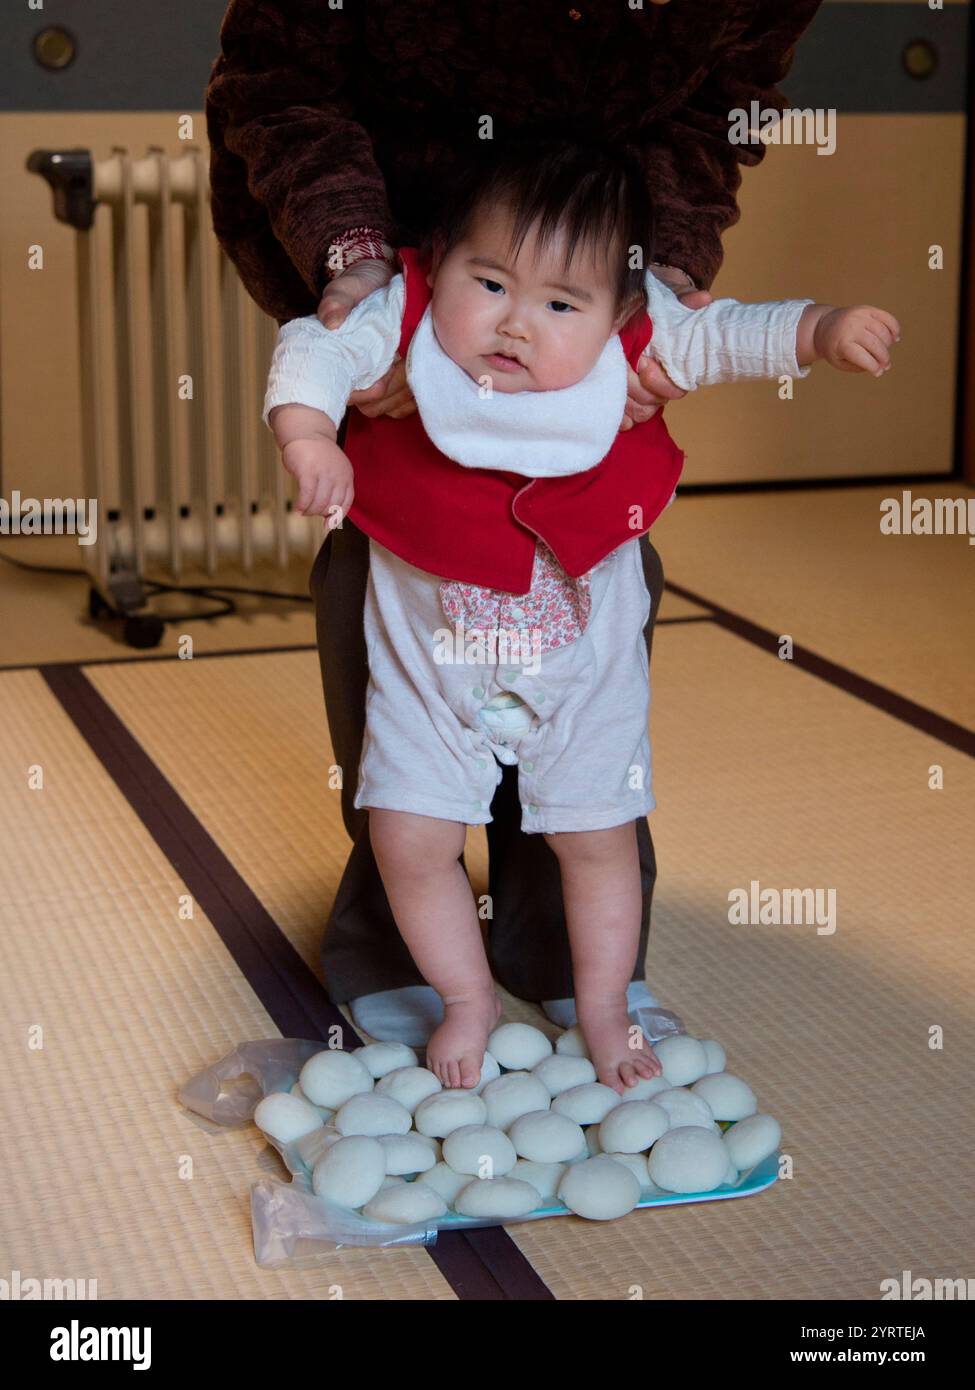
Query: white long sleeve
point(725, 341)
point(321, 367)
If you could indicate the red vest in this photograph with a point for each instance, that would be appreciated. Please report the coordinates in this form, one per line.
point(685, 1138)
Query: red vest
point(479, 525)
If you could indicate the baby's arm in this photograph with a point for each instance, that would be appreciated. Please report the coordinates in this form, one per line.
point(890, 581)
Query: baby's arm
point(731, 341)
point(313, 372)
point(306, 438)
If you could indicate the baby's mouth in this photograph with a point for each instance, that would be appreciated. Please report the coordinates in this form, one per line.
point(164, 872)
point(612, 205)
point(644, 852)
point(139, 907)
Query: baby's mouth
point(504, 361)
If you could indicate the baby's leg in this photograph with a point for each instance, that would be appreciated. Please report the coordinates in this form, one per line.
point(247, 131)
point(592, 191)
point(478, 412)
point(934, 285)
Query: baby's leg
point(431, 899)
point(602, 894)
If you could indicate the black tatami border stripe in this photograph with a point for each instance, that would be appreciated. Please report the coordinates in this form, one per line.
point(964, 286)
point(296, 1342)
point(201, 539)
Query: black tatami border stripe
point(483, 1264)
point(908, 711)
point(165, 658)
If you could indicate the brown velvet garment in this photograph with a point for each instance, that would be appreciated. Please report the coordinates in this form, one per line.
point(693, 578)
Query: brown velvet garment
point(321, 119)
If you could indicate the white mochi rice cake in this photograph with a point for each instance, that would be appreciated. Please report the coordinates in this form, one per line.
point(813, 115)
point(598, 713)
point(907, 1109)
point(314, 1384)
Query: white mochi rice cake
point(518, 1046)
point(600, 1189)
point(351, 1172)
point(440, 1114)
point(516, 1093)
point(381, 1058)
point(499, 1197)
point(406, 1204)
point(688, 1159)
point(682, 1058)
point(285, 1117)
point(409, 1085)
point(728, 1096)
point(332, 1077)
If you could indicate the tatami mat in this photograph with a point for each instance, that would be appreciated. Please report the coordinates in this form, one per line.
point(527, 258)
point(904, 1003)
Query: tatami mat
point(897, 609)
point(793, 784)
point(762, 772)
point(129, 999)
point(44, 617)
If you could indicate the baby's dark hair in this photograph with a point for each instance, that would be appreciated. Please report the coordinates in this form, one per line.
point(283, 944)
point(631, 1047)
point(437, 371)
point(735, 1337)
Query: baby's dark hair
point(593, 189)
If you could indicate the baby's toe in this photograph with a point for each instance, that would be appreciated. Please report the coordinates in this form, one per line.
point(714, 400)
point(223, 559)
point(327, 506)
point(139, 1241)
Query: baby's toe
point(610, 1076)
point(470, 1069)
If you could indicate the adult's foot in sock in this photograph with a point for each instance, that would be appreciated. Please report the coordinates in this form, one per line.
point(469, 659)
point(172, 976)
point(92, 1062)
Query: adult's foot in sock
point(563, 1011)
point(406, 1015)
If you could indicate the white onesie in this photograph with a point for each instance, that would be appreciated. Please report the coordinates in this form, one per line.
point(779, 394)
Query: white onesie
point(463, 677)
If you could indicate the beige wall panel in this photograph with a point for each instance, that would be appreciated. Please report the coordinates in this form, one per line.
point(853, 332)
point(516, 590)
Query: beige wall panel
point(853, 227)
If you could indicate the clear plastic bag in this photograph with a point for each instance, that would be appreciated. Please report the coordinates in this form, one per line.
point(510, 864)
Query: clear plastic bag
point(291, 1224)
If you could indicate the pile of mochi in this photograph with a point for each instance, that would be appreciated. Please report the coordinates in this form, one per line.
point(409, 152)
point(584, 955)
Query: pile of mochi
point(382, 1136)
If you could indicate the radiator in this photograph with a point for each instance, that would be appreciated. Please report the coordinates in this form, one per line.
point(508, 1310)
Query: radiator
point(174, 356)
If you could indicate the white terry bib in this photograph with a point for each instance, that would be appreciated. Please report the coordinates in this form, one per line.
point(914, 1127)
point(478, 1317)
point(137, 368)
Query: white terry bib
point(542, 434)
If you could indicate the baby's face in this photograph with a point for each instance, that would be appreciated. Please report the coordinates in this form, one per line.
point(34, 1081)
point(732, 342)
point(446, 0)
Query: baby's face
point(527, 323)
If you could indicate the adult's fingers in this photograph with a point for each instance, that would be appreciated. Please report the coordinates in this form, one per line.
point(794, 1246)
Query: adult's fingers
point(342, 294)
point(695, 299)
point(387, 385)
point(638, 414)
point(635, 390)
point(656, 383)
point(635, 411)
point(336, 305)
point(388, 403)
point(375, 392)
point(390, 396)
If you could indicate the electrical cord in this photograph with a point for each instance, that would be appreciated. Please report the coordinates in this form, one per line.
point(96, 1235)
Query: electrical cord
point(213, 592)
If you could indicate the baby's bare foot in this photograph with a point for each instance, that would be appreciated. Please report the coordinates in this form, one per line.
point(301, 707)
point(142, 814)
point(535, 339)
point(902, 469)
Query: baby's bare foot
point(618, 1047)
point(455, 1052)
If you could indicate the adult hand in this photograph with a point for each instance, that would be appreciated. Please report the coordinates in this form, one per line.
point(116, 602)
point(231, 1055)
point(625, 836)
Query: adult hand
point(342, 294)
point(390, 395)
point(651, 387)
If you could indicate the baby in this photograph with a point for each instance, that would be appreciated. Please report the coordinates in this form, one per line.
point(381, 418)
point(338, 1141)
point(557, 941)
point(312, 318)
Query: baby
point(511, 506)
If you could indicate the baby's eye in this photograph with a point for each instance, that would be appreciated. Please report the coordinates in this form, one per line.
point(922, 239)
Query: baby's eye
point(559, 305)
point(490, 285)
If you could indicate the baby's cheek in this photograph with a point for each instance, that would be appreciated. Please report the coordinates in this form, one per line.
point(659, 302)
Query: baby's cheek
point(457, 329)
point(567, 362)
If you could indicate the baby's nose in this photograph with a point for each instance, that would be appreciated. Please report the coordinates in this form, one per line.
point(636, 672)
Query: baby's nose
point(514, 326)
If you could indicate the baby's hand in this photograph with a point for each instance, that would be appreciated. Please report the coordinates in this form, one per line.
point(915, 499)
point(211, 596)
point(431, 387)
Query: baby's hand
point(324, 477)
point(857, 339)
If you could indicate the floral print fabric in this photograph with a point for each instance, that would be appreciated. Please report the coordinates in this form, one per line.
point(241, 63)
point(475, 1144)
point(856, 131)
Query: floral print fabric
point(553, 613)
